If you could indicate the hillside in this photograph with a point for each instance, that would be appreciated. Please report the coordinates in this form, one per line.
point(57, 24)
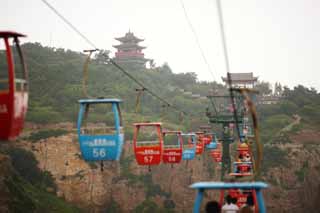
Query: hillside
point(289, 131)
point(55, 86)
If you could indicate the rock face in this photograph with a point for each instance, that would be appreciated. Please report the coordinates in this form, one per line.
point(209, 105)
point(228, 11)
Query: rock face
point(5, 171)
point(294, 187)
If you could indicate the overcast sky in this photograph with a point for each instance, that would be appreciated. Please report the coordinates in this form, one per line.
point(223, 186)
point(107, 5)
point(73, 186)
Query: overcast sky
point(277, 40)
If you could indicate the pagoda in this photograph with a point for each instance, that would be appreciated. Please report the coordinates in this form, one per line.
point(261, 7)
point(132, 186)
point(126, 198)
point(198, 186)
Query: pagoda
point(129, 52)
point(241, 80)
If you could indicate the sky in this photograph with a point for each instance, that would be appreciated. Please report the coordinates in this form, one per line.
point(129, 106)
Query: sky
point(277, 40)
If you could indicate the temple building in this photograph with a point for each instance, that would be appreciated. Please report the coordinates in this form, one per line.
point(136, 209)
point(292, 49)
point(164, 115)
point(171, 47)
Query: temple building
point(129, 52)
point(241, 80)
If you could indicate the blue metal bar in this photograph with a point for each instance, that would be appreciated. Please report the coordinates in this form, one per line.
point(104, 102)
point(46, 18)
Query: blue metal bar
point(116, 117)
point(197, 204)
point(80, 116)
point(262, 208)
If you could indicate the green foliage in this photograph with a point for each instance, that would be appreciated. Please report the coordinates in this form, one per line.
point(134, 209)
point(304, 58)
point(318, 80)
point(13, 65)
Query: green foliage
point(26, 197)
point(44, 115)
point(113, 207)
point(150, 206)
point(274, 157)
point(56, 85)
point(26, 165)
point(301, 173)
point(146, 207)
point(272, 125)
point(169, 204)
point(44, 134)
point(151, 189)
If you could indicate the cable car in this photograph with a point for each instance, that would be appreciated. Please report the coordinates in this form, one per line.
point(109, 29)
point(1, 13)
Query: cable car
point(243, 166)
point(148, 143)
point(207, 138)
point(254, 187)
point(172, 147)
point(189, 146)
point(213, 144)
point(216, 154)
point(100, 134)
point(241, 196)
point(13, 86)
point(200, 143)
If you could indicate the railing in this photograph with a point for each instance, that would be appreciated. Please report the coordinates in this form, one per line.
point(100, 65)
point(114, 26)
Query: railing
point(172, 146)
point(99, 130)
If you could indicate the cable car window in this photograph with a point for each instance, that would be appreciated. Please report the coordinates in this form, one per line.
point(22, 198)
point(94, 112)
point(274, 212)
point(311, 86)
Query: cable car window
point(171, 140)
point(98, 120)
point(148, 136)
point(4, 75)
point(20, 75)
point(188, 141)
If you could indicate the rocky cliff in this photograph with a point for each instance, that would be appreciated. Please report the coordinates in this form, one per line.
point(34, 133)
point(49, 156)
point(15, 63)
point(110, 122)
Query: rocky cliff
point(123, 186)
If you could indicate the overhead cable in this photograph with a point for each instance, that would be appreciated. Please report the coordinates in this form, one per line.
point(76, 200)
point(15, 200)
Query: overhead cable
point(112, 61)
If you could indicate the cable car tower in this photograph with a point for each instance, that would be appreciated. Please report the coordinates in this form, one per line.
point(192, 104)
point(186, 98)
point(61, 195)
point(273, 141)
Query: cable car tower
point(226, 113)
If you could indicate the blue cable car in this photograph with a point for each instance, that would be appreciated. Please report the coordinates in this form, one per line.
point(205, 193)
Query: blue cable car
point(98, 141)
point(213, 143)
point(255, 187)
point(189, 146)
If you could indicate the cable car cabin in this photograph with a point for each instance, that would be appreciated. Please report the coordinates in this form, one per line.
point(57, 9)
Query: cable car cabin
point(213, 144)
point(243, 149)
point(148, 143)
point(13, 86)
point(172, 147)
point(207, 138)
point(254, 187)
point(216, 154)
point(243, 196)
point(189, 146)
point(241, 169)
point(200, 143)
point(243, 166)
point(100, 129)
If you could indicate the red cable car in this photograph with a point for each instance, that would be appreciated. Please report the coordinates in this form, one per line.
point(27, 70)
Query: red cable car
point(172, 147)
point(243, 166)
point(13, 86)
point(200, 143)
point(148, 143)
point(207, 138)
point(216, 154)
point(242, 197)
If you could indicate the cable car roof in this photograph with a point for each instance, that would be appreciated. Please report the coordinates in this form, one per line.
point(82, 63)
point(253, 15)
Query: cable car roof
point(10, 34)
point(99, 100)
point(223, 185)
point(148, 124)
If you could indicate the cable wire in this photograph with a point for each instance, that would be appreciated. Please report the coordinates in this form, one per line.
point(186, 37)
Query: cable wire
point(197, 39)
point(112, 61)
point(69, 24)
point(225, 51)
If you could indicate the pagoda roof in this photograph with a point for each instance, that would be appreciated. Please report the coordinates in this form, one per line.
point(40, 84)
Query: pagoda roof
point(128, 46)
point(129, 36)
point(240, 77)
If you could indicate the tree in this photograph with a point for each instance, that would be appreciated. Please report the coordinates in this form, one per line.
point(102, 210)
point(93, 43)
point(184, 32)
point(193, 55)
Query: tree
point(264, 88)
point(102, 56)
